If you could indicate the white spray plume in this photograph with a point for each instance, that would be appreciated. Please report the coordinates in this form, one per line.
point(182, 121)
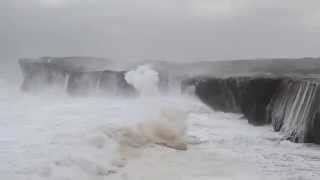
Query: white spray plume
point(144, 79)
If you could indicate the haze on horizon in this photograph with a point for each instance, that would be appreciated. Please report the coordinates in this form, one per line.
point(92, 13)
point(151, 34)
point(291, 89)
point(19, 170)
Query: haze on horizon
point(159, 29)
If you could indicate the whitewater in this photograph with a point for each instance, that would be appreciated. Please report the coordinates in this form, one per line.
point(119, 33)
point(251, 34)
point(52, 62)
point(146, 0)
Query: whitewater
point(53, 136)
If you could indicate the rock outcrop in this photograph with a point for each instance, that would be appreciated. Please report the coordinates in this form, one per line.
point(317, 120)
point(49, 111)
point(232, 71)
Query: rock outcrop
point(39, 75)
point(291, 105)
point(74, 79)
point(294, 109)
point(247, 95)
point(105, 82)
point(289, 101)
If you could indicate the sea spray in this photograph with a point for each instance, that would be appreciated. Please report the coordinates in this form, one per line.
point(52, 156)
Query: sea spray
point(167, 128)
point(144, 79)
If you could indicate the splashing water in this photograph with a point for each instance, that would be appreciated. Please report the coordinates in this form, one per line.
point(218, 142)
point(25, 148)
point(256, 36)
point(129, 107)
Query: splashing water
point(144, 79)
point(60, 138)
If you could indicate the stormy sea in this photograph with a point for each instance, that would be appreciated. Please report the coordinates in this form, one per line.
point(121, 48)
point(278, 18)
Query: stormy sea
point(65, 121)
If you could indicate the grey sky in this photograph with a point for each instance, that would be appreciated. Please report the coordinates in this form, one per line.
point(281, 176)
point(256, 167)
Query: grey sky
point(160, 29)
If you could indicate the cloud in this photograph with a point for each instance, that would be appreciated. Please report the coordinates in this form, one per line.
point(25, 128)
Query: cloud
point(169, 29)
point(217, 9)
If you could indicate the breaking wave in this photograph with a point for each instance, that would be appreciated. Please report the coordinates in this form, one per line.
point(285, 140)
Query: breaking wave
point(144, 79)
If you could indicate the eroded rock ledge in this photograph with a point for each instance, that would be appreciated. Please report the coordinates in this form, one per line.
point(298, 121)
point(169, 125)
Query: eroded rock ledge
point(291, 105)
point(75, 79)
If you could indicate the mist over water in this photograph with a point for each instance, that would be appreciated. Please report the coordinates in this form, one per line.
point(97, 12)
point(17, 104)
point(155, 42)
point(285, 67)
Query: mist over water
point(80, 124)
point(55, 136)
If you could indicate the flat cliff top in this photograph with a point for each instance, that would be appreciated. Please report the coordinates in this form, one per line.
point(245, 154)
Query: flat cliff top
point(78, 64)
point(300, 67)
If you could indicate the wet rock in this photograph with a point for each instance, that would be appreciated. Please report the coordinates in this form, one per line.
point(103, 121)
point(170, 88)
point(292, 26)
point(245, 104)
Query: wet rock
point(82, 83)
point(294, 109)
point(41, 75)
point(114, 82)
point(291, 105)
point(246, 95)
point(74, 78)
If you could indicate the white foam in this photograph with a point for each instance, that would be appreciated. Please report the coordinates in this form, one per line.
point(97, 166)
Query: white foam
point(43, 137)
point(168, 128)
point(144, 79)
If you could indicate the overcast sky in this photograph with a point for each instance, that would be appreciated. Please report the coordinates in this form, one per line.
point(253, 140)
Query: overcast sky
point(160, 29)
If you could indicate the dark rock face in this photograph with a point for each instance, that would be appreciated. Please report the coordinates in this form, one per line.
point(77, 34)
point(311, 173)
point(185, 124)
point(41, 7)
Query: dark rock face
point(295, 110)
point(82, 83)
point(114, 82)
point(313, 130)
point(40, 75)
point(254, 97)
point(246, 95)
point(81, 76)
point(218, 94)
point(106, 82)
point(291, 105)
